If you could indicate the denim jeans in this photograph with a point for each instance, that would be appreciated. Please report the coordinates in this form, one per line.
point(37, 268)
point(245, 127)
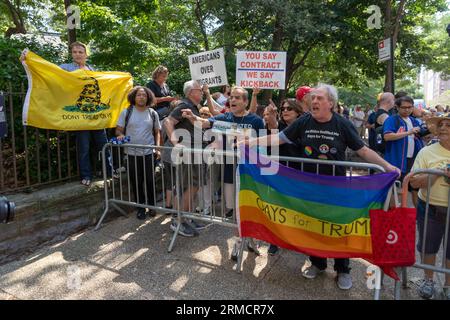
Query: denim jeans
point(83, 142)
point(340, 265)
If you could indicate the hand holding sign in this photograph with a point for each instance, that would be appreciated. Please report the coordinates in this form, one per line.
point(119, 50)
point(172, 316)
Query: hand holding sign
point(256, 91)
point(23, 54)
point(205, 89)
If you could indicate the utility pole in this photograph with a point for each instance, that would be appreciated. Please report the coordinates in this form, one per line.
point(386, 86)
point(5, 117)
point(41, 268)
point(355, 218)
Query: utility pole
point(388, 33)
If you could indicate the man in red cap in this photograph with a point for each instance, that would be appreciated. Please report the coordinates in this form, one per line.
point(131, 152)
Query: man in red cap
point(304, 98)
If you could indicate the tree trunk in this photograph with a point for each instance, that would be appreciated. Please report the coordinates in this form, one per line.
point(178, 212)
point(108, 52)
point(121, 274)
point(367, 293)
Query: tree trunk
point(71, 33)
point(16, 16)
point(276, 46)
point(291, 66)
point(201, 22)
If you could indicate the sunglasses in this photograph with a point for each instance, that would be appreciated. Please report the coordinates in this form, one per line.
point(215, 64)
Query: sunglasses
point(286, 109)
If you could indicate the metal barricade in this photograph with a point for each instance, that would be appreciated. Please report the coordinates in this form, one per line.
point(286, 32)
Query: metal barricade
point(208, 174)
point(421, 265)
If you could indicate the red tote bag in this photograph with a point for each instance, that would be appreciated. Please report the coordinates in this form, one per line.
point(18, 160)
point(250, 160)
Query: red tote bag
point(393, 237)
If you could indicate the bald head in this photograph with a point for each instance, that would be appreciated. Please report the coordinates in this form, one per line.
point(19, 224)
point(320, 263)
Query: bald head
point(387, 101)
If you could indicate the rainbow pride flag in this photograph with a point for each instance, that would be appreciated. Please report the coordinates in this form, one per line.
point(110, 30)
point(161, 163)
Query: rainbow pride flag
point(318, 215)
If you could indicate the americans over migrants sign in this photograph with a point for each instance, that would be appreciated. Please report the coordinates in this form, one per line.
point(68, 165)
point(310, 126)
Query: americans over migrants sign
point(209, 68)
point(261, 69)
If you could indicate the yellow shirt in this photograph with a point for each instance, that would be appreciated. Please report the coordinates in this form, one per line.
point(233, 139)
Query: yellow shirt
point(434, 157)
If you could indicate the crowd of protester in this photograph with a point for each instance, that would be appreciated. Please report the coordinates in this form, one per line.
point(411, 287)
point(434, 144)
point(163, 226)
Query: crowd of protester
point(393, 134)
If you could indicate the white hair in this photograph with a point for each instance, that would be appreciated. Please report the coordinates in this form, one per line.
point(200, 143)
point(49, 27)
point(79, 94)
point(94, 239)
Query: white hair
point(189, 85)
point(331, 92)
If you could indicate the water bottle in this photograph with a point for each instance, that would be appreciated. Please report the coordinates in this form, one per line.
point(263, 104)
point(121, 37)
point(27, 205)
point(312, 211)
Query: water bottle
point(114, 140)
point(379, 138)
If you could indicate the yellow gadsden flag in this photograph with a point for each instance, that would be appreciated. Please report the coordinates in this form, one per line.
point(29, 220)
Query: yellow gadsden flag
point(78, 100)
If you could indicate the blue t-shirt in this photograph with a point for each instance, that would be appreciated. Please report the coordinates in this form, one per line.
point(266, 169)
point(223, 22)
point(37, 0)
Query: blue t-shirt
point(250, 121)
point(73, 66)
point(397, 150)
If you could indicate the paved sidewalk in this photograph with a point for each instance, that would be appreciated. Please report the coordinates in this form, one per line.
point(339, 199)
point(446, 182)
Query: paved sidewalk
point(128, 259)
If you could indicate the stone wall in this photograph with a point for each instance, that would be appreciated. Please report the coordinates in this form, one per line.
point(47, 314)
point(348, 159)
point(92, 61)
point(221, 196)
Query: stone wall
point(50, 215)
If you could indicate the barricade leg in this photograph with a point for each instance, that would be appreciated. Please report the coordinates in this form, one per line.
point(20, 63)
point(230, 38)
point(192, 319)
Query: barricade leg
point(175, 234)
point(178, 197)
point(103, 216)
point(241, 245)
point(378, 284)
point(397, 290)
point(405, 278)
point(105, 212)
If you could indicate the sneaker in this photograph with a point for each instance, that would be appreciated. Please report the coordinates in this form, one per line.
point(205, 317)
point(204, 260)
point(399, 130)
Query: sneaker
point(229, 213)
point(273, 249)
point(426, 289)
point(197, 225)
point(310, 271)
point(185, 229)
point(252, 247)
point(344, 281)
point(151, 213)
point(141, 215)
point(205, 211)
point(235, 251)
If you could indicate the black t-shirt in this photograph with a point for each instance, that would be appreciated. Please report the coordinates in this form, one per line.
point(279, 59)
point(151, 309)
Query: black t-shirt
point(184, 123)
point(160, 92)
point(287, 149)
point(326, 141)
point(377, 114)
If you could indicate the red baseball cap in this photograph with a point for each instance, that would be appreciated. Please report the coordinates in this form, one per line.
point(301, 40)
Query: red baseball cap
point(301, 92)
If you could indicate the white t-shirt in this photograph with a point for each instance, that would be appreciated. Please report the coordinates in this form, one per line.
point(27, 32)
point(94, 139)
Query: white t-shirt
point(140, 129)
point(409, 124)
point(358, 114)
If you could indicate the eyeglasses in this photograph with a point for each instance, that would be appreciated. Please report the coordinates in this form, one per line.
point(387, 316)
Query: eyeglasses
point(286, 109)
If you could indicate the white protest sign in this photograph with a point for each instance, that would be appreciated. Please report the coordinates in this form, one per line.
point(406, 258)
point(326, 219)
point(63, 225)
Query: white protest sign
point(231, 128)
point(261, 69)
point(209, 68)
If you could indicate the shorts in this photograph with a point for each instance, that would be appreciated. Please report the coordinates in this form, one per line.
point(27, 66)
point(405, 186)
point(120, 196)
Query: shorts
point(169, 176)
point(435, 228)
point(191, 175)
